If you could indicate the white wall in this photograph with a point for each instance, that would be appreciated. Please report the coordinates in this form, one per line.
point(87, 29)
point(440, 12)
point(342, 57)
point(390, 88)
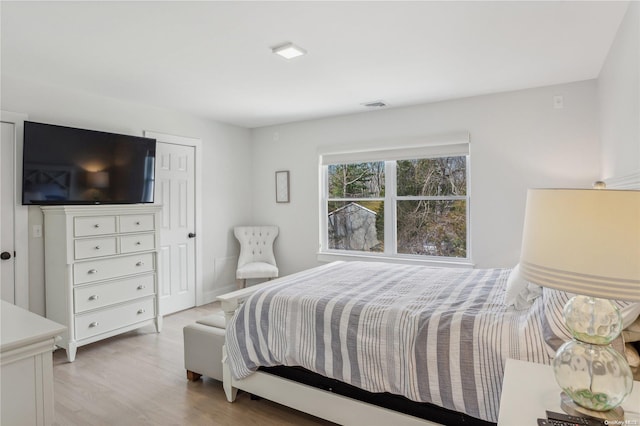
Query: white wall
point(619, 100)
point(518, 140)
point(226, 187)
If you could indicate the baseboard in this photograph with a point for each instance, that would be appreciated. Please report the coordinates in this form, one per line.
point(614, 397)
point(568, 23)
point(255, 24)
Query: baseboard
point(211, 296)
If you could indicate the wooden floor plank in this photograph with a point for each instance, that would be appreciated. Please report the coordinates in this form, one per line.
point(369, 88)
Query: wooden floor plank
point(138, 378)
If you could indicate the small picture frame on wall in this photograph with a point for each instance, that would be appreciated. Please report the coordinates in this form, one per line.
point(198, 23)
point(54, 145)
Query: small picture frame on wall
point(282, 186)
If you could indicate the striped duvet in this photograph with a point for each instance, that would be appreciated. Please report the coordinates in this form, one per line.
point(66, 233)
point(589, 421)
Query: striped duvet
point(436, 335)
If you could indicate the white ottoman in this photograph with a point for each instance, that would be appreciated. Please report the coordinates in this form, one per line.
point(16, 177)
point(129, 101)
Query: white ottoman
point(203, 347)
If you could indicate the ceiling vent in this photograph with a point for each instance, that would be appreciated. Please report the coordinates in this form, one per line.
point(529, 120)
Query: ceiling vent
point(375, 104)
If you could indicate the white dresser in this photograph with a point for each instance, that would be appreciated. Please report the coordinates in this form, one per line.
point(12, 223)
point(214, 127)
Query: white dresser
point(26, 366)
point(101, 268)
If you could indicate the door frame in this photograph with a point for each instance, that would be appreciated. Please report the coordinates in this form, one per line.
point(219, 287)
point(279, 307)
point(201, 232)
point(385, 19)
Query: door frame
point(197, 145)
point(20, 212)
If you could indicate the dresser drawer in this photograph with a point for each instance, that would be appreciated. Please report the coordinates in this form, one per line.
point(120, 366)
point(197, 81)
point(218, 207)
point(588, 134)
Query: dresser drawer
point(109, 319)
point(138, 242)
point(84, 226)
point(136, 222)
point(109, 293)
point(94, 247)
point(104, 269)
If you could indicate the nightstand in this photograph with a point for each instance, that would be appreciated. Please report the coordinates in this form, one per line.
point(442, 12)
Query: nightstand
point(529, 389)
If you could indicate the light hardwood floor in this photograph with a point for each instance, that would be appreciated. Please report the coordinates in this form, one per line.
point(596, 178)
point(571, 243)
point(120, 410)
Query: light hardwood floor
point(138, 378)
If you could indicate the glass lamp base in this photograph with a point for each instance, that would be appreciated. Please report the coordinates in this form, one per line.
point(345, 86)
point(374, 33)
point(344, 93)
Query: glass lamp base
point(595, 376)
point(573, 409)
point(592, 320)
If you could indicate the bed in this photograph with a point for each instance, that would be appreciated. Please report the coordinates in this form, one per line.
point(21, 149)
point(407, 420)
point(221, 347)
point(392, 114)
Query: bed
point(435, 336)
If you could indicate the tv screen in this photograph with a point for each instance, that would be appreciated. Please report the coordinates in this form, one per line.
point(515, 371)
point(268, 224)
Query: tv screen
point(64, 165)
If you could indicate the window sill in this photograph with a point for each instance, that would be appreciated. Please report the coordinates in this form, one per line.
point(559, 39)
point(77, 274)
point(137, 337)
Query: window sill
point(448, 263)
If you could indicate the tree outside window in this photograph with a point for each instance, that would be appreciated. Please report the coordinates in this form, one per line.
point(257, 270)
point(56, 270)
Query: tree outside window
point(355, 205)
point(429, 206)
point(432, 207)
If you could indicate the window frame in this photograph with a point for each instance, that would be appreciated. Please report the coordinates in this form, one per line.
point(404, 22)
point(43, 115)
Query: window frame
point(390, 200)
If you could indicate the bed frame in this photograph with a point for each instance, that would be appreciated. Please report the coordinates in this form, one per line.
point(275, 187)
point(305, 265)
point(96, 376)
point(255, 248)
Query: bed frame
point(306, 398)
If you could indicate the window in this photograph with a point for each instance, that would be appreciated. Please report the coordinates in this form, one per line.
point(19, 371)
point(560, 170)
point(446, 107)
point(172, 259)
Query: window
point(400, 207)
point(431, 206)
point(355, 205)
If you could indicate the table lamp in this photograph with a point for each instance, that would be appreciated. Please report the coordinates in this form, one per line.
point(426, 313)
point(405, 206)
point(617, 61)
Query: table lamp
point(586, 242)
point(98, 179)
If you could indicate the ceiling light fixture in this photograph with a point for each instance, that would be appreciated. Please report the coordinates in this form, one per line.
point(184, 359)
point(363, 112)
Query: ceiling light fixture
point(288, 50)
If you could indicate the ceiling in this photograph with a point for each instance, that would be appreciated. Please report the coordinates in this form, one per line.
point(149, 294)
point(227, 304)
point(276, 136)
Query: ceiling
point(213, 59)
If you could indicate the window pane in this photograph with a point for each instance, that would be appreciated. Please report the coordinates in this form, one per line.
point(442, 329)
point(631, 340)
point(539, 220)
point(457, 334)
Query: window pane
point(432, 228)
point(361, 180)
point(356, 225)
point(432, 176)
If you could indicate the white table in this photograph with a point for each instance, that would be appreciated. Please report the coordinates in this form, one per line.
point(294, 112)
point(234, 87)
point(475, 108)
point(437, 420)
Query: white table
point(529, 389)
point(26, 366)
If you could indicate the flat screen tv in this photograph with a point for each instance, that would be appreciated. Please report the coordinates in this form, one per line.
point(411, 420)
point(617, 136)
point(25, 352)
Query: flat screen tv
point(64, 165)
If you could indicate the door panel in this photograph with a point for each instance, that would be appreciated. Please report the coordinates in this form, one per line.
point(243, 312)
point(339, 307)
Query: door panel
point(7, 223)
point(175, 190)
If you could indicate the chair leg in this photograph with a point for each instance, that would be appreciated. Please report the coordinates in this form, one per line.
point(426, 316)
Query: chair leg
point(241, 283)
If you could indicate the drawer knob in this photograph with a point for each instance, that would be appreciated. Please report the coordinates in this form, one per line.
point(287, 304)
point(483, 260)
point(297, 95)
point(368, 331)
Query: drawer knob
point(94, 324)
point(138, 243)
point(97, 225)
point(142, 287)
point(94, 297)
point(92, 271)
point(140, 263)
point(138, 223)
point(141, 311)
point(97, 247)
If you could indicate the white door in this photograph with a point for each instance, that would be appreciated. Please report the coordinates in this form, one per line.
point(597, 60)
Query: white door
point(175, 190)
point(14, 217)
point(7, 226)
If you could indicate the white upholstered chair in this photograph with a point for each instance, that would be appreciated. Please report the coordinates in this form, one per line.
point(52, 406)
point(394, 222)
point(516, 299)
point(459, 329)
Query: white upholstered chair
point(256, 253)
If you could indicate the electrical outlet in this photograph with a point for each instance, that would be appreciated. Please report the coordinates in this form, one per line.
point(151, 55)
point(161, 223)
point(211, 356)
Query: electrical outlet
point(37, 231)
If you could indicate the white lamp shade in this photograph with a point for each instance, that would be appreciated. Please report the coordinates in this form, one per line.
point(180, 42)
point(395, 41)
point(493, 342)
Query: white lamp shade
point(583, 241)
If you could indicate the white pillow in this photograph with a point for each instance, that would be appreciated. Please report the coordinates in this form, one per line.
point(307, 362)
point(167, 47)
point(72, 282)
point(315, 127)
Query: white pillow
point(630, 313)
point(519, 292)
